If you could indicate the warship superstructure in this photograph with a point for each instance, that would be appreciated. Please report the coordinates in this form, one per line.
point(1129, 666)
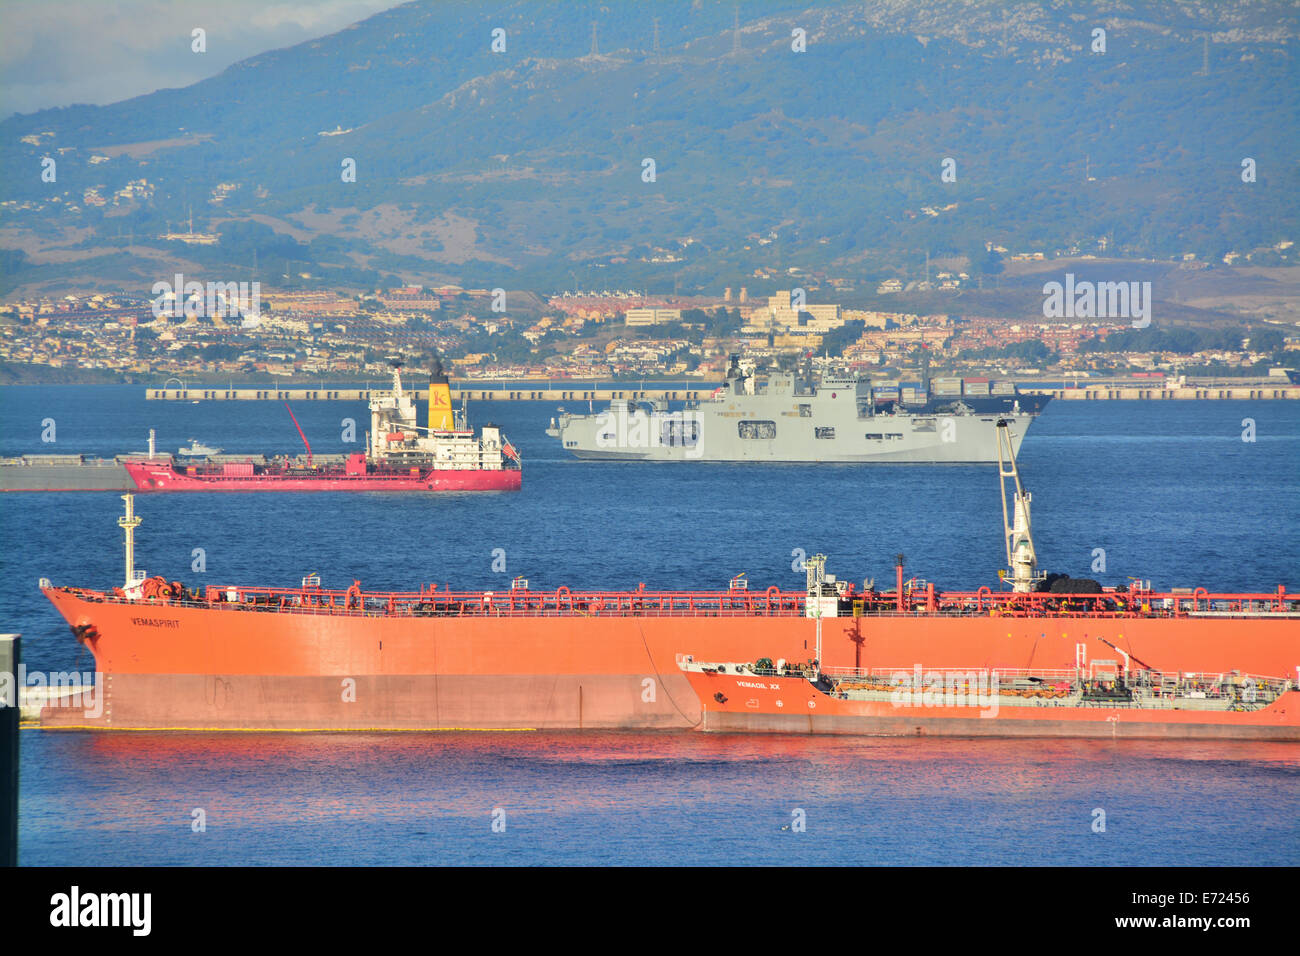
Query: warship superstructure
point(790, 417)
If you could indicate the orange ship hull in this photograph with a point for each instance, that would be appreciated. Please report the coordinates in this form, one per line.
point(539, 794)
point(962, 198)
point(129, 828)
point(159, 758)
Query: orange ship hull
point(749, 704)
point(189, 665)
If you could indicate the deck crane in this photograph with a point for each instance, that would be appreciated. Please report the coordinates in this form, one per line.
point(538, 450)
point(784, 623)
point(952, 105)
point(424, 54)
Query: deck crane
point(1022, 560)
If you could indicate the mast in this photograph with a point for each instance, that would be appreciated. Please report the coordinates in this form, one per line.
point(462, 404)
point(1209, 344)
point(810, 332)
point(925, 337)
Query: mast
point(1022, 561)
point(816, 569)
point(129, 522)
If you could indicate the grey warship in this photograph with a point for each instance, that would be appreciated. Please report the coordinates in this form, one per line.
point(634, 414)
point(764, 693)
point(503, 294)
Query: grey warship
point(788, 417)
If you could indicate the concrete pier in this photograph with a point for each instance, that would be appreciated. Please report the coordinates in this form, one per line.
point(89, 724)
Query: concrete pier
point(474, 391)
point(689, 392)
point(1088, 393)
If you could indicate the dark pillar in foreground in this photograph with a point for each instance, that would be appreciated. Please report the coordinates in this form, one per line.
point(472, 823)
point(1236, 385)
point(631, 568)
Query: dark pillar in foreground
point(9, 714)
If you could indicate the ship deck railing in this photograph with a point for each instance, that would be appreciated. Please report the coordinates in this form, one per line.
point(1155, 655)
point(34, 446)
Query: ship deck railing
point(476, 606)
point(1134, 677)
point(47, 461)
point(756, 603)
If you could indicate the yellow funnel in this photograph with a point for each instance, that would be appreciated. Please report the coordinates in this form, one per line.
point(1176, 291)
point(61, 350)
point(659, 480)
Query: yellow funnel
point(440, 417)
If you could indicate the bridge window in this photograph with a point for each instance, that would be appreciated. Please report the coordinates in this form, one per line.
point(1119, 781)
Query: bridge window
point(764, 430)
point(674, 432)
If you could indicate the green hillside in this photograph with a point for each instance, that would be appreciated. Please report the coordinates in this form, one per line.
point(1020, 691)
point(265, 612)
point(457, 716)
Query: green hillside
point(525, 168)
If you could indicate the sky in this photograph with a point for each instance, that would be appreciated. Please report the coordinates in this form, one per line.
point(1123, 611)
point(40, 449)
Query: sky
point(63, 52)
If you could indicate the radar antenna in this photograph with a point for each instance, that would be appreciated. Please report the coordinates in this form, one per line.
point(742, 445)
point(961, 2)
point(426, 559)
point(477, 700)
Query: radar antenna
point(1022, 560)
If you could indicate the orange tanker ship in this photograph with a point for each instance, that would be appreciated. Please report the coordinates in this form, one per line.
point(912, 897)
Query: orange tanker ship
point(1103, 699)
point(313, 658)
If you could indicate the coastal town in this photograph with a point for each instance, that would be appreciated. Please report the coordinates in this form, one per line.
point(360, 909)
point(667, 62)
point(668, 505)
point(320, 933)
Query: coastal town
point(498, 334)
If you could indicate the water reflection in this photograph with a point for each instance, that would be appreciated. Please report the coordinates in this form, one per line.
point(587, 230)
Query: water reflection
point(629, 797)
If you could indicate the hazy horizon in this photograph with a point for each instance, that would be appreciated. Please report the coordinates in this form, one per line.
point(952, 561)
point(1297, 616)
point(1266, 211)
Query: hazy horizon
point(86, 52)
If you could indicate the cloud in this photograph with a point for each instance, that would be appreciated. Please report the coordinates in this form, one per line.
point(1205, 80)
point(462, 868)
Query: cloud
point(61, 52)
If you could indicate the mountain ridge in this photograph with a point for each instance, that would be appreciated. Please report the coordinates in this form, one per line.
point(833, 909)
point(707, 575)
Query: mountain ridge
point(837, 150)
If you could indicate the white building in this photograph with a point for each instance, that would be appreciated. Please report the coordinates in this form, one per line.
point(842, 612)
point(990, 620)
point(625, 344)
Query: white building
point(635, 317)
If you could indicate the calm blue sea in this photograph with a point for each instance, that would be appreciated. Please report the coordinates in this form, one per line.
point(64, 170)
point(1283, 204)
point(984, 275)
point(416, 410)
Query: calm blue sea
point(1168, 491)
